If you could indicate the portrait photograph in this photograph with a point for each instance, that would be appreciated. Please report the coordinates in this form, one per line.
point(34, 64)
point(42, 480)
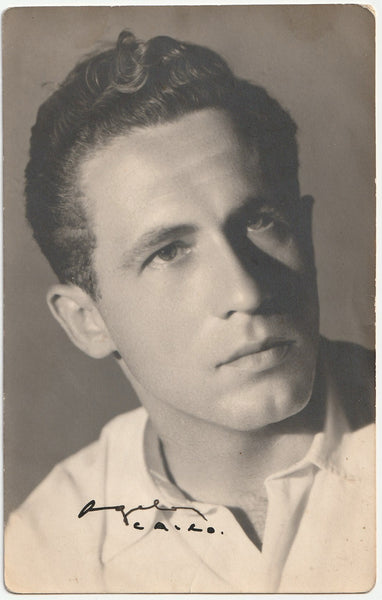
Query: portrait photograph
point(189, 286)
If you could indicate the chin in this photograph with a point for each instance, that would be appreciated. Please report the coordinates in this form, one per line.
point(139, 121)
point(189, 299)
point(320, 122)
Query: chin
point(254, 401)
point(251, 409)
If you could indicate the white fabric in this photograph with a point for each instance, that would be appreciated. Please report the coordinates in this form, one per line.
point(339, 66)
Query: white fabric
point(319, 532)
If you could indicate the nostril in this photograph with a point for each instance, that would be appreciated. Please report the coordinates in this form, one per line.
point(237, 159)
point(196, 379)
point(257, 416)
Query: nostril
point(229, 314)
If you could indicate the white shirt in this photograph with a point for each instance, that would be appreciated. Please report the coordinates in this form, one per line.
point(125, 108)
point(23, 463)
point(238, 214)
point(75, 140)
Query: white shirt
point(319, 532)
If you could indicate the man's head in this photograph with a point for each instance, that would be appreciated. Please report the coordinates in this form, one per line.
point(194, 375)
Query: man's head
point(168, 192)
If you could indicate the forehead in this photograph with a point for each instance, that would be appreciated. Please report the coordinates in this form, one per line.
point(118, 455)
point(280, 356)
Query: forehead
point(163, 154)
point(193, 171)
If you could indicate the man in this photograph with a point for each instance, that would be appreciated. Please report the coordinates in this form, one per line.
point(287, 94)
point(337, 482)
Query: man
point(164, 192)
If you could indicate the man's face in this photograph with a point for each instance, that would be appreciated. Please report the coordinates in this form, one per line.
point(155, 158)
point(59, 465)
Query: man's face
point(205, 288)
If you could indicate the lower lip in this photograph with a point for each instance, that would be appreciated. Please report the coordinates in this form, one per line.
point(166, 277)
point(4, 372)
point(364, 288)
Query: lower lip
point(262, 361)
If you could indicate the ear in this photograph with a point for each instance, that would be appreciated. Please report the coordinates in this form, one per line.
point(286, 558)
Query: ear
point(79, 317)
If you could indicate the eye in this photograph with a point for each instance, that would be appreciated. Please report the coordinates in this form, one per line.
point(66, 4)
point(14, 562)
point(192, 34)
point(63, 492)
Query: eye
point(260, 222)
point(268, 226)
point(168, 252)
point(171, 253)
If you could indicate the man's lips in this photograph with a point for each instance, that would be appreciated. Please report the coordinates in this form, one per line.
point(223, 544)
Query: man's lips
point(259, 357)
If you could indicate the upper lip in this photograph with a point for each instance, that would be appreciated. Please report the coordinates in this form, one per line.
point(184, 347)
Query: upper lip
point(254, 347)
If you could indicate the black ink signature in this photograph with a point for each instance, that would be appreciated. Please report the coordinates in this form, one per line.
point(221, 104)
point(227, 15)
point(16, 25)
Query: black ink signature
point(91, 507)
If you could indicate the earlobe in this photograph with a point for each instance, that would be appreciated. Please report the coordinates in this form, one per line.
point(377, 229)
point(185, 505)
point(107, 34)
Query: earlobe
point(79, 317)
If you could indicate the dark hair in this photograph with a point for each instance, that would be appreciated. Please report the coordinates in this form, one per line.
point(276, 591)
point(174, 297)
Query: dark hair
point(134, 84)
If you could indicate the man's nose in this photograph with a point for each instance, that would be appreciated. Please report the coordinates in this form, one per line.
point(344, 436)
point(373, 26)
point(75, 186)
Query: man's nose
point(237, 285)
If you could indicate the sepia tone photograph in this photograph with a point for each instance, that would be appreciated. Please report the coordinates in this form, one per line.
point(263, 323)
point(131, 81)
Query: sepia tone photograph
point(189, 267)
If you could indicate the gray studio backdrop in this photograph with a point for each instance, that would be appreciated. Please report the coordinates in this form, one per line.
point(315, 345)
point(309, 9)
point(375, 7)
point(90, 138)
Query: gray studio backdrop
point(317, 60)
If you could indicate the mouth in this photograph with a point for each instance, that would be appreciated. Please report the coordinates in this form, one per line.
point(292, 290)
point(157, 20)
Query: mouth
point(258, 358)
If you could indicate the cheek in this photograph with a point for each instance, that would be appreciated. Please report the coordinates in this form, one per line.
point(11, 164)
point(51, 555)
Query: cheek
point(287, 252)
point(151, 324)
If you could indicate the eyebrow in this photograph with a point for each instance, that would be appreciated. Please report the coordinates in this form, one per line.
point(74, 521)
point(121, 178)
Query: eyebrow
point(153, 238)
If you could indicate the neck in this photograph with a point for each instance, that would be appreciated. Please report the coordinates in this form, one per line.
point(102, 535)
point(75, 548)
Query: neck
point(218, 465)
